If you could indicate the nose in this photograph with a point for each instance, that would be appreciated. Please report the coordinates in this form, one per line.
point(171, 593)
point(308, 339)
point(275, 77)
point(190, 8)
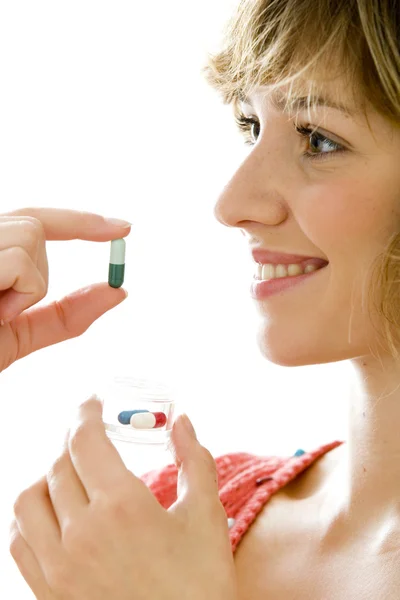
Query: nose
point(252, 194)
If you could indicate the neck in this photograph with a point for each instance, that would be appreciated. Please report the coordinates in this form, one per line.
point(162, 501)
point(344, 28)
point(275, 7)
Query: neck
point(366, 483)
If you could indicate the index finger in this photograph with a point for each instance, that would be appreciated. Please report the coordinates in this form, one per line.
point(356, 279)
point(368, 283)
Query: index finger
point(67, 224)
point(96, 460)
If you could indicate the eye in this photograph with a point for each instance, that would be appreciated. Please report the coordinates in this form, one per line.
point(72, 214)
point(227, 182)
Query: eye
point(322, 147)
point(249, 126)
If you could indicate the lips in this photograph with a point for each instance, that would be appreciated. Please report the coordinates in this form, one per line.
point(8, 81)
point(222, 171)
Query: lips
point(266, 256)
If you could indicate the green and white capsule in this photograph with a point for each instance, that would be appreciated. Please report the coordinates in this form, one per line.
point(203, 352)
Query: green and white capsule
point(116, 270)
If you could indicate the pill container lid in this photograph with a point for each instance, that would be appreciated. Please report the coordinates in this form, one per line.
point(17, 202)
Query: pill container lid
point(124, 393)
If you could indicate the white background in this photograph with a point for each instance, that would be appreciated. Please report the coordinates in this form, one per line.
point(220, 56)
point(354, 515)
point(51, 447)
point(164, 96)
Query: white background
point(103, 108)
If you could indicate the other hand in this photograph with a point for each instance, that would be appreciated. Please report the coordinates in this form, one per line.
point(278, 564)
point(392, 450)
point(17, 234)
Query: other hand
point(92, 529)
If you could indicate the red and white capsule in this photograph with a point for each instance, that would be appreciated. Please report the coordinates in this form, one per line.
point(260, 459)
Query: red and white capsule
point(148, 420)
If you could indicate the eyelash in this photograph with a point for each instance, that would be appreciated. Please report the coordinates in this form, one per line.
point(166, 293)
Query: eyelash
point(245, 124)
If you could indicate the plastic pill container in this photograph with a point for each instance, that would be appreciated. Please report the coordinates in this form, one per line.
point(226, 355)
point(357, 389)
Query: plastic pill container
point(142, 449)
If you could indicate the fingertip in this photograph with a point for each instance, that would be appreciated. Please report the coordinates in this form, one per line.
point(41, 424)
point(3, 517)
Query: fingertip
point(186, 423)
point(97, 400)
point(93, 404)
point(121, 290)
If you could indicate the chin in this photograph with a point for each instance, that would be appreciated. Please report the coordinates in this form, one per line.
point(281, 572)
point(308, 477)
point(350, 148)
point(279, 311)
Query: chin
point(285, 351)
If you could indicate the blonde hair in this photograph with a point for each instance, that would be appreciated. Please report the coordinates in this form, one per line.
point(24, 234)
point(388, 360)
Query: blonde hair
point(275, 43)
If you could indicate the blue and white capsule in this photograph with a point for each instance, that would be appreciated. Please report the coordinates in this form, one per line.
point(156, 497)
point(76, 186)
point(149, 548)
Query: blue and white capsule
point(124, 417)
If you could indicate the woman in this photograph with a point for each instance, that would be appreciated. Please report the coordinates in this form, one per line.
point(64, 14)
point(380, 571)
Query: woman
point(315, 86)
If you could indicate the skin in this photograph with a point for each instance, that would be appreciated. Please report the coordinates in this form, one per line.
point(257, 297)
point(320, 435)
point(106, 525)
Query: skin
point(343, 209)
point(89, 527)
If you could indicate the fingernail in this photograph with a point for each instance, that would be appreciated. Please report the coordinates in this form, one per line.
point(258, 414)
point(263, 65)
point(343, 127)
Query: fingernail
point(186, 423)
point(9, 319)
point(117, 222)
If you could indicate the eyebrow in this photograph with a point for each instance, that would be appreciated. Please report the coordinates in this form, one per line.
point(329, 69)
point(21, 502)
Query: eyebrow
point(301, 103)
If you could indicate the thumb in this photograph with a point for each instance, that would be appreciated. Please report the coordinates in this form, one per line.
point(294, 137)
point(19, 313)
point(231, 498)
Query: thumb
point(68, 318)
point(197, 471)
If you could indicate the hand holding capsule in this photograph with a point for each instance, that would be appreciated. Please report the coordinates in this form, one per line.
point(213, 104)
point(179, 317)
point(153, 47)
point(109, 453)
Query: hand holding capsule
point(24, 279)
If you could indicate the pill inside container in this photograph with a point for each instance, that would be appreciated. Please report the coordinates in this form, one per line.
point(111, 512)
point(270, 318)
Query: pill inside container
point(137, 410)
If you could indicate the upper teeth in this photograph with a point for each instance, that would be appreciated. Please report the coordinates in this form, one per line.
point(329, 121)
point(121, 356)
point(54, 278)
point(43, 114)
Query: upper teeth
point(269, 271)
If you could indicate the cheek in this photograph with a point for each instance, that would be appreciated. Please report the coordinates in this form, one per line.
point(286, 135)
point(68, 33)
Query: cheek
point(344, 216)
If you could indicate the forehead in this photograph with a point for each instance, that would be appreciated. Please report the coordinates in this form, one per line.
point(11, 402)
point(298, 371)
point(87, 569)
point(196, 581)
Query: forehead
point(305, 96)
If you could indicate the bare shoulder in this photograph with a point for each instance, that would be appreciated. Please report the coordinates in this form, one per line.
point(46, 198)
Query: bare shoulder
point(294, 506)
point(284, 537)
point(280, 556)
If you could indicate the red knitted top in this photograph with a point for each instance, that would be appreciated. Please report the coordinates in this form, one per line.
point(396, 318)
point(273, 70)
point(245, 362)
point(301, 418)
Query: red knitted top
point(246, 482)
